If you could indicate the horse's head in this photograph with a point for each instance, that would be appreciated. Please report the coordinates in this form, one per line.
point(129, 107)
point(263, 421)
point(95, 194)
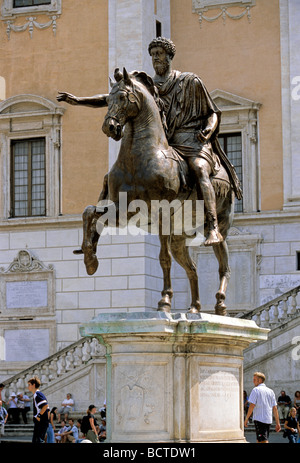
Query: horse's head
point(124, 100)
point(122, 104)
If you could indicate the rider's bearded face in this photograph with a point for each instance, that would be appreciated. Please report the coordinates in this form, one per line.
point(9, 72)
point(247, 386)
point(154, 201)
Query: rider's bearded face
point(160, 60)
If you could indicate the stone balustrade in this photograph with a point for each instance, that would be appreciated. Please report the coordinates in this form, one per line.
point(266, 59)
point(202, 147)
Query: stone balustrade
point(56, 366)
point(277, 311)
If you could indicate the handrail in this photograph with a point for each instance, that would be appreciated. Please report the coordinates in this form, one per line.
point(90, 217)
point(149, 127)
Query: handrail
point(56, 365)
point(284, 308)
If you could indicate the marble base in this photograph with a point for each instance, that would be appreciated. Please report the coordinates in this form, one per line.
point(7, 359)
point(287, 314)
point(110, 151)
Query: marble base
point(174, 377)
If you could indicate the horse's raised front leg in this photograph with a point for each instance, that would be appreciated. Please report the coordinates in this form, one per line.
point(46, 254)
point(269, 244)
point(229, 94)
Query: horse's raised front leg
point(165, 260)
point(91, 236)
point(181, 254)
point(221, 252)
point(90, 239)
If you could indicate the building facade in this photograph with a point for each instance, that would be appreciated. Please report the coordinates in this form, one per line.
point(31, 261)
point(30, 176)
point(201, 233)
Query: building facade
point(54, 157)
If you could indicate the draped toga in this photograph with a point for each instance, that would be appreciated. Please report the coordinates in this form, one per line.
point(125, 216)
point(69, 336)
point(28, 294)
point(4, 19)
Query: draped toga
point(187, 105)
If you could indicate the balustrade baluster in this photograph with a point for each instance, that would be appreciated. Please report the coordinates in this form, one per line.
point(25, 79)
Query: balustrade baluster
point(258, 319)
point(61, 365)
point(266, 317)
point(293, 304)
point(20, 384)
point(46, 373)
point(70, 360)
point(284, 309)
point(78, 356)
point(94, 347)
point(53, 370)
point(87, 350)
point(275, 320)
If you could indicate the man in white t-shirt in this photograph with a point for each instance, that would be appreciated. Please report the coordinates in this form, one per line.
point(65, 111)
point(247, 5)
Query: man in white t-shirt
point(263, 405)
point(66, 407)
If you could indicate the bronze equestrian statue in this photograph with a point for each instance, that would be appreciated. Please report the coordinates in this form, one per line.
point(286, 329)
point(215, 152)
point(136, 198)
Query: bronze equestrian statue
point(169, 150)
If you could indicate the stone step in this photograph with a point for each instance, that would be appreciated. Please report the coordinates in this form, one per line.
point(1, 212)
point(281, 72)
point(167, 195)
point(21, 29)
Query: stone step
point(22, 429)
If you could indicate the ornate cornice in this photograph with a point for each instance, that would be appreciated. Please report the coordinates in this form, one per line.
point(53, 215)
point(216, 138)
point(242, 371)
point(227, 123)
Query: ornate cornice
point(202, 6)
point(26, 262)
point(9, 15)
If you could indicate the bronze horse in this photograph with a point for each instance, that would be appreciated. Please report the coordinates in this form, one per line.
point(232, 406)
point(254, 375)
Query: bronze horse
point(148, 169)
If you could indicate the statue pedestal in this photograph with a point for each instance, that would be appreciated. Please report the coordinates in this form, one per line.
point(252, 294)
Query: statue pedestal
point(174, 377)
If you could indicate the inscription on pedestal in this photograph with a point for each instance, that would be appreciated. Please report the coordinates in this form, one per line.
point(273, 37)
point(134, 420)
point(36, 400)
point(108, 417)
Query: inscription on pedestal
point(219, 396)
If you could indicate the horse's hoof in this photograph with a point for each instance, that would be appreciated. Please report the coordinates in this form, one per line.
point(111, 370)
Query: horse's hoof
point(91, 264)
point(163, 306)
point(78, 251)
point(220, 309)
point(194, 309)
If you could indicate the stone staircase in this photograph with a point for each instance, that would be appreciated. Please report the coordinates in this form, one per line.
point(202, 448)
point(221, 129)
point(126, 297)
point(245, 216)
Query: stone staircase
point(58, 366)
point(23, 432)
point(278, 356)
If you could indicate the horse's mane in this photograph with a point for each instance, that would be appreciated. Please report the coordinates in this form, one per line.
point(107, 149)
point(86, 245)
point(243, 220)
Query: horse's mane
point(148, 82)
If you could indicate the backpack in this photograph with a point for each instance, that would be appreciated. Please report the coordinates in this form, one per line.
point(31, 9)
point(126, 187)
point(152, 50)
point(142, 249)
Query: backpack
point(85, 424)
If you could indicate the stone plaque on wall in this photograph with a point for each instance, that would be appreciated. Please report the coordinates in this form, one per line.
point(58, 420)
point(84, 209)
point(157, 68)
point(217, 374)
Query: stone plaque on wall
point(30, 345)
point(25, 294)
point(27, 287)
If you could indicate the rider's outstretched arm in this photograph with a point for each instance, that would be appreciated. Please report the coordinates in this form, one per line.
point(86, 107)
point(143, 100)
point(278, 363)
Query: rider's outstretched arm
point(96, 101)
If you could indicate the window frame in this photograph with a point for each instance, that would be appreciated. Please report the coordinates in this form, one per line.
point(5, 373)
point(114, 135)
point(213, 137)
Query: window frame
point(45, 2)
point(27, 117)
point(9, 11)
point(30, 142)
point(225, 136)
point(242, 115)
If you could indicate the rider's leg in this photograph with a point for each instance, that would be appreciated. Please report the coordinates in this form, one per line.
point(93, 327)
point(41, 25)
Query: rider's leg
point(202, 171)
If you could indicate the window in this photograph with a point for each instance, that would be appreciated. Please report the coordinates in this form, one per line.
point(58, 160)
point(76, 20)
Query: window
point(158, 29)
point(240, 118)
point(298, 260)
point(28, 178)
point(232, 145)
point(30, 157)
point(23, 3)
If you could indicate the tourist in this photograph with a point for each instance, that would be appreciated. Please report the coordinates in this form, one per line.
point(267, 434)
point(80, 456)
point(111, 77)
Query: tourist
point(262, 403)
point(13, 411)
point(22, 404)
point(102, 432)
point(3, 418)
point(40, 411)
point(88, 425)
point(103, 410)
point(80, 434)
point(297, 403)
point(292, 427)
point(51, 427)
point(66, 407)
point(72, 434)
point(59, 436)
point(1, 389)
point(246, 403)
point(284, 405)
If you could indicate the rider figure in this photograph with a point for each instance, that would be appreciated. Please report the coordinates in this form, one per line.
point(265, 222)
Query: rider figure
point(192, 121)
